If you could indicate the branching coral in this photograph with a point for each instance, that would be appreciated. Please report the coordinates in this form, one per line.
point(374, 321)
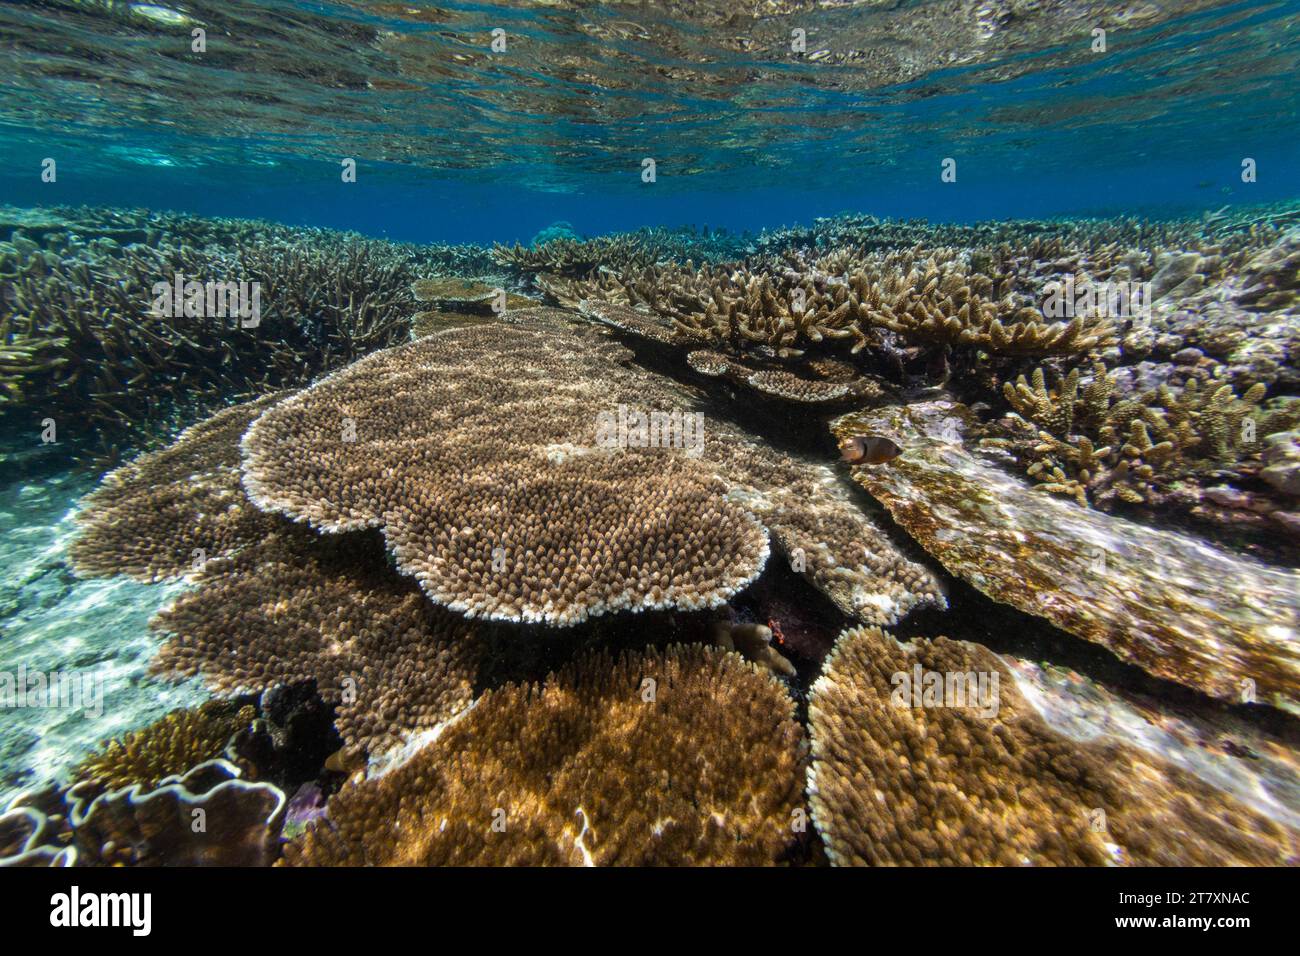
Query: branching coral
point(81, 342)
point(172, 745)
point(677, 757)
point(930, 776)
point(1093, 443)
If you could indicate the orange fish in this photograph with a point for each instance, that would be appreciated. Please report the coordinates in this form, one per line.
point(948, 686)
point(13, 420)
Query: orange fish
point(868, 450)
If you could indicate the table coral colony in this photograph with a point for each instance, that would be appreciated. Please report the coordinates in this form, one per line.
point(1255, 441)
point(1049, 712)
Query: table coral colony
point(822, 546)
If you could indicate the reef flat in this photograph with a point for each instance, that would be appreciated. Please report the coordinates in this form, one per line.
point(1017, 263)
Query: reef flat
point(484, 539)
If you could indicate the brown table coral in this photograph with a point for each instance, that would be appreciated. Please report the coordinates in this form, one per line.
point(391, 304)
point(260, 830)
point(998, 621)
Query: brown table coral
point(506, 466)
point(299, 607)
point(164, 514)
point(676, 757)
point(906, 777)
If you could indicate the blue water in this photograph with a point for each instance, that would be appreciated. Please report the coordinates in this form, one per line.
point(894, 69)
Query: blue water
point(455, 143)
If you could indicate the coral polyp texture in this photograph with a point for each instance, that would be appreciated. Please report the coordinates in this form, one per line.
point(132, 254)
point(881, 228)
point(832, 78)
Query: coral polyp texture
point(681, 756)
point(970, 774)
point(164, 514)
point(501, 464)
point(166, 747)
point(1154, 597)
point(299, 607)
point(476, 451)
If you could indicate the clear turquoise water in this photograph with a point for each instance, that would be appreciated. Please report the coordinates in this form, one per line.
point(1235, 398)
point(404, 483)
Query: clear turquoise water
point(455, 142)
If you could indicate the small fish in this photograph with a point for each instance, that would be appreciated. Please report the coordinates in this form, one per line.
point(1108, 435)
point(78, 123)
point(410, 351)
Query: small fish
point(868, 450)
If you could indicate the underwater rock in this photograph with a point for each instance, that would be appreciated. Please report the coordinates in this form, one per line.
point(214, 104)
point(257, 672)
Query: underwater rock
point(675, 757)
point(927, 753)
point(1281, 457)
point(1176, 606)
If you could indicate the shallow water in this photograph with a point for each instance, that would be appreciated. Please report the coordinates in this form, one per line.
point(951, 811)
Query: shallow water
point(690, 384)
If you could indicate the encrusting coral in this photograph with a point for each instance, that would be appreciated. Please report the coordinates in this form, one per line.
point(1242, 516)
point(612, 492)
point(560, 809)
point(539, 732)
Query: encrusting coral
point(300, 607)
point(169, 746)
point(208, 816)
point(164, 514)
point(683, 756)
point(906, 771)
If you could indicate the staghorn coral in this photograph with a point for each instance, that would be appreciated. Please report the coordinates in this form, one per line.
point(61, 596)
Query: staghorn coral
point(681, 756)
point(954, 782)
point(169, 746)
point(930, 297)
point(160, 826)
point(491, 485)
point(1153, 597)
point(81, 342)
point(298, 607)
point(1093, 444)
point(165, 513)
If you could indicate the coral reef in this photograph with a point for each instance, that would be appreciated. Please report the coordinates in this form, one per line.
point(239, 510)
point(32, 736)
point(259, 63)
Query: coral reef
point(645, 527)
point(166, 513)
point(169, 746)
point(208, 816)
point(82, 341)
point(676, 757)
point(477, 452)
point(947, 781)
point(1082, 438)
point(1154, 597)
point(300, 607)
